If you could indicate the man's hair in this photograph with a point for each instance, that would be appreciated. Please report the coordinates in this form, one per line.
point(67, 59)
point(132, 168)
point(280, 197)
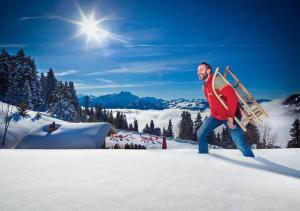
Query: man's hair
point(207, 66)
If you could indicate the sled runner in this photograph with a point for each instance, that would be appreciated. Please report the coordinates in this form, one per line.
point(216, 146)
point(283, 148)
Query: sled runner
point(251, 110)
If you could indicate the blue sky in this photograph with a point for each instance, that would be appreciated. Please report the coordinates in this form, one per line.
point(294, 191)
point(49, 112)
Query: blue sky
point(157, 45)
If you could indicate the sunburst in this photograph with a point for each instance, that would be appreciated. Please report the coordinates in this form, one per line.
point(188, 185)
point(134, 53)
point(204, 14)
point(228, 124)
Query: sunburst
point(93, 28)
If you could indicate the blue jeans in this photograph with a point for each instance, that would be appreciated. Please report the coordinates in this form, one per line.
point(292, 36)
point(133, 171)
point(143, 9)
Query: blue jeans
point(236, 134)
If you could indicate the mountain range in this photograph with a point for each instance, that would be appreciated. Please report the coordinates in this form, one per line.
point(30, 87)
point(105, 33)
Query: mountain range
point(126, 99)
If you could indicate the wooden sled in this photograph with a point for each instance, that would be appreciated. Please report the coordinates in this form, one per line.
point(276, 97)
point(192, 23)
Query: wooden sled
point(251, 110)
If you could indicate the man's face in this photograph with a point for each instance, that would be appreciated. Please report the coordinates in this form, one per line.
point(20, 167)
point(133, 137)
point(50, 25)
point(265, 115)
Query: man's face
point(203, 72)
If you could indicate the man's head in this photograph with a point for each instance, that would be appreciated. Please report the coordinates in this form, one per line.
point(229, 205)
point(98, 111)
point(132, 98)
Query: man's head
point(204, 70)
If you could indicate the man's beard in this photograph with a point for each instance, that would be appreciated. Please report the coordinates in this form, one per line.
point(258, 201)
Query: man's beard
point(203, 76)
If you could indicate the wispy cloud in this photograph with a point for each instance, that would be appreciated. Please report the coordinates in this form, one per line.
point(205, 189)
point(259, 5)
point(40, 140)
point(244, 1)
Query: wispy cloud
point(12, 45)
point(104, 80)
point(67, 72)
point(184, 64)
point(89, 86)
point(83, 86)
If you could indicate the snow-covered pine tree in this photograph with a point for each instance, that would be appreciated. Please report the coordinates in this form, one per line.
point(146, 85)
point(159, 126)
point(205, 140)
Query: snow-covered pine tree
point(43, 87)
point(11, 94)
point(5, 69)
point(34, 84)
point(62, 107)
point(19, 74)
point(73, 97)
point(22, 109)
point(295, 134)
point(50, 87)
point(27, 95)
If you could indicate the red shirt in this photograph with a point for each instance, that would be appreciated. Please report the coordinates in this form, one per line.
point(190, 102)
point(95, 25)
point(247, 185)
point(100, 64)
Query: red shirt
point(229, 96)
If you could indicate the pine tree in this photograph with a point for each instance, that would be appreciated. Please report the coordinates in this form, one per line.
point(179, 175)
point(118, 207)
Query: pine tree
point(98, 112)
point(105, 115)
point(219, 140)
point(151, 131)
point(146, 129)
point(157, 131)
point(19, 75)
point(86, 102)
point(51, 87)
point(119, 120)
point(252, 134)
point(111, 118)
point(22, 109)
point(62, 106)
point(136, 126)
point(92, 115)
point(73, 97)
point(26, 95)
point(227, 142)
point(43, 87)
point(130, 127)
point(11, 94)
point(186, 126)
point(5, 71)
point(170, 129)
point(124, 122)
point(165, 132)
point(197, 124)
point(212, 138)
point(295, 134)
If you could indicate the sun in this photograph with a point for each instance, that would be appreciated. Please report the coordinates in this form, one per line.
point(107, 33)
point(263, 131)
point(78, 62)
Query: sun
point(93, 29)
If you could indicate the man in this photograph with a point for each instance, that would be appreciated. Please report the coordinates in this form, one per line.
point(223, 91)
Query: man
point(219, 115)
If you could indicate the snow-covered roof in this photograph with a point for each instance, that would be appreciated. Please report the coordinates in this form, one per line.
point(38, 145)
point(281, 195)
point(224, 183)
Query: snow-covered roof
point(68, 136)
point(32, 133)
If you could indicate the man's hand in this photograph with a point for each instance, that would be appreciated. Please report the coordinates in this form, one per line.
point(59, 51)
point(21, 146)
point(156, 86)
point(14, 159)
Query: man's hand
point(230, 123)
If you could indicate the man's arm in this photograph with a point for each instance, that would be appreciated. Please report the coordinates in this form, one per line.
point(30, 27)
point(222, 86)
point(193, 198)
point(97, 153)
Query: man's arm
point(232, 103)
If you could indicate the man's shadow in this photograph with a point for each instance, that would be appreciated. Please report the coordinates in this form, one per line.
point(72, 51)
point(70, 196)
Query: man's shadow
point(266, 165)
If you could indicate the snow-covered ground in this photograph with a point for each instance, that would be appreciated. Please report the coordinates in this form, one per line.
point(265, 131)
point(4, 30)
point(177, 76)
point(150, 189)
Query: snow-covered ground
point(175, 179)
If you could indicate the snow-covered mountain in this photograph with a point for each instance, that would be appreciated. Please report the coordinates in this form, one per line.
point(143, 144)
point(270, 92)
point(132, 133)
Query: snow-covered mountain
point(125, 99)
